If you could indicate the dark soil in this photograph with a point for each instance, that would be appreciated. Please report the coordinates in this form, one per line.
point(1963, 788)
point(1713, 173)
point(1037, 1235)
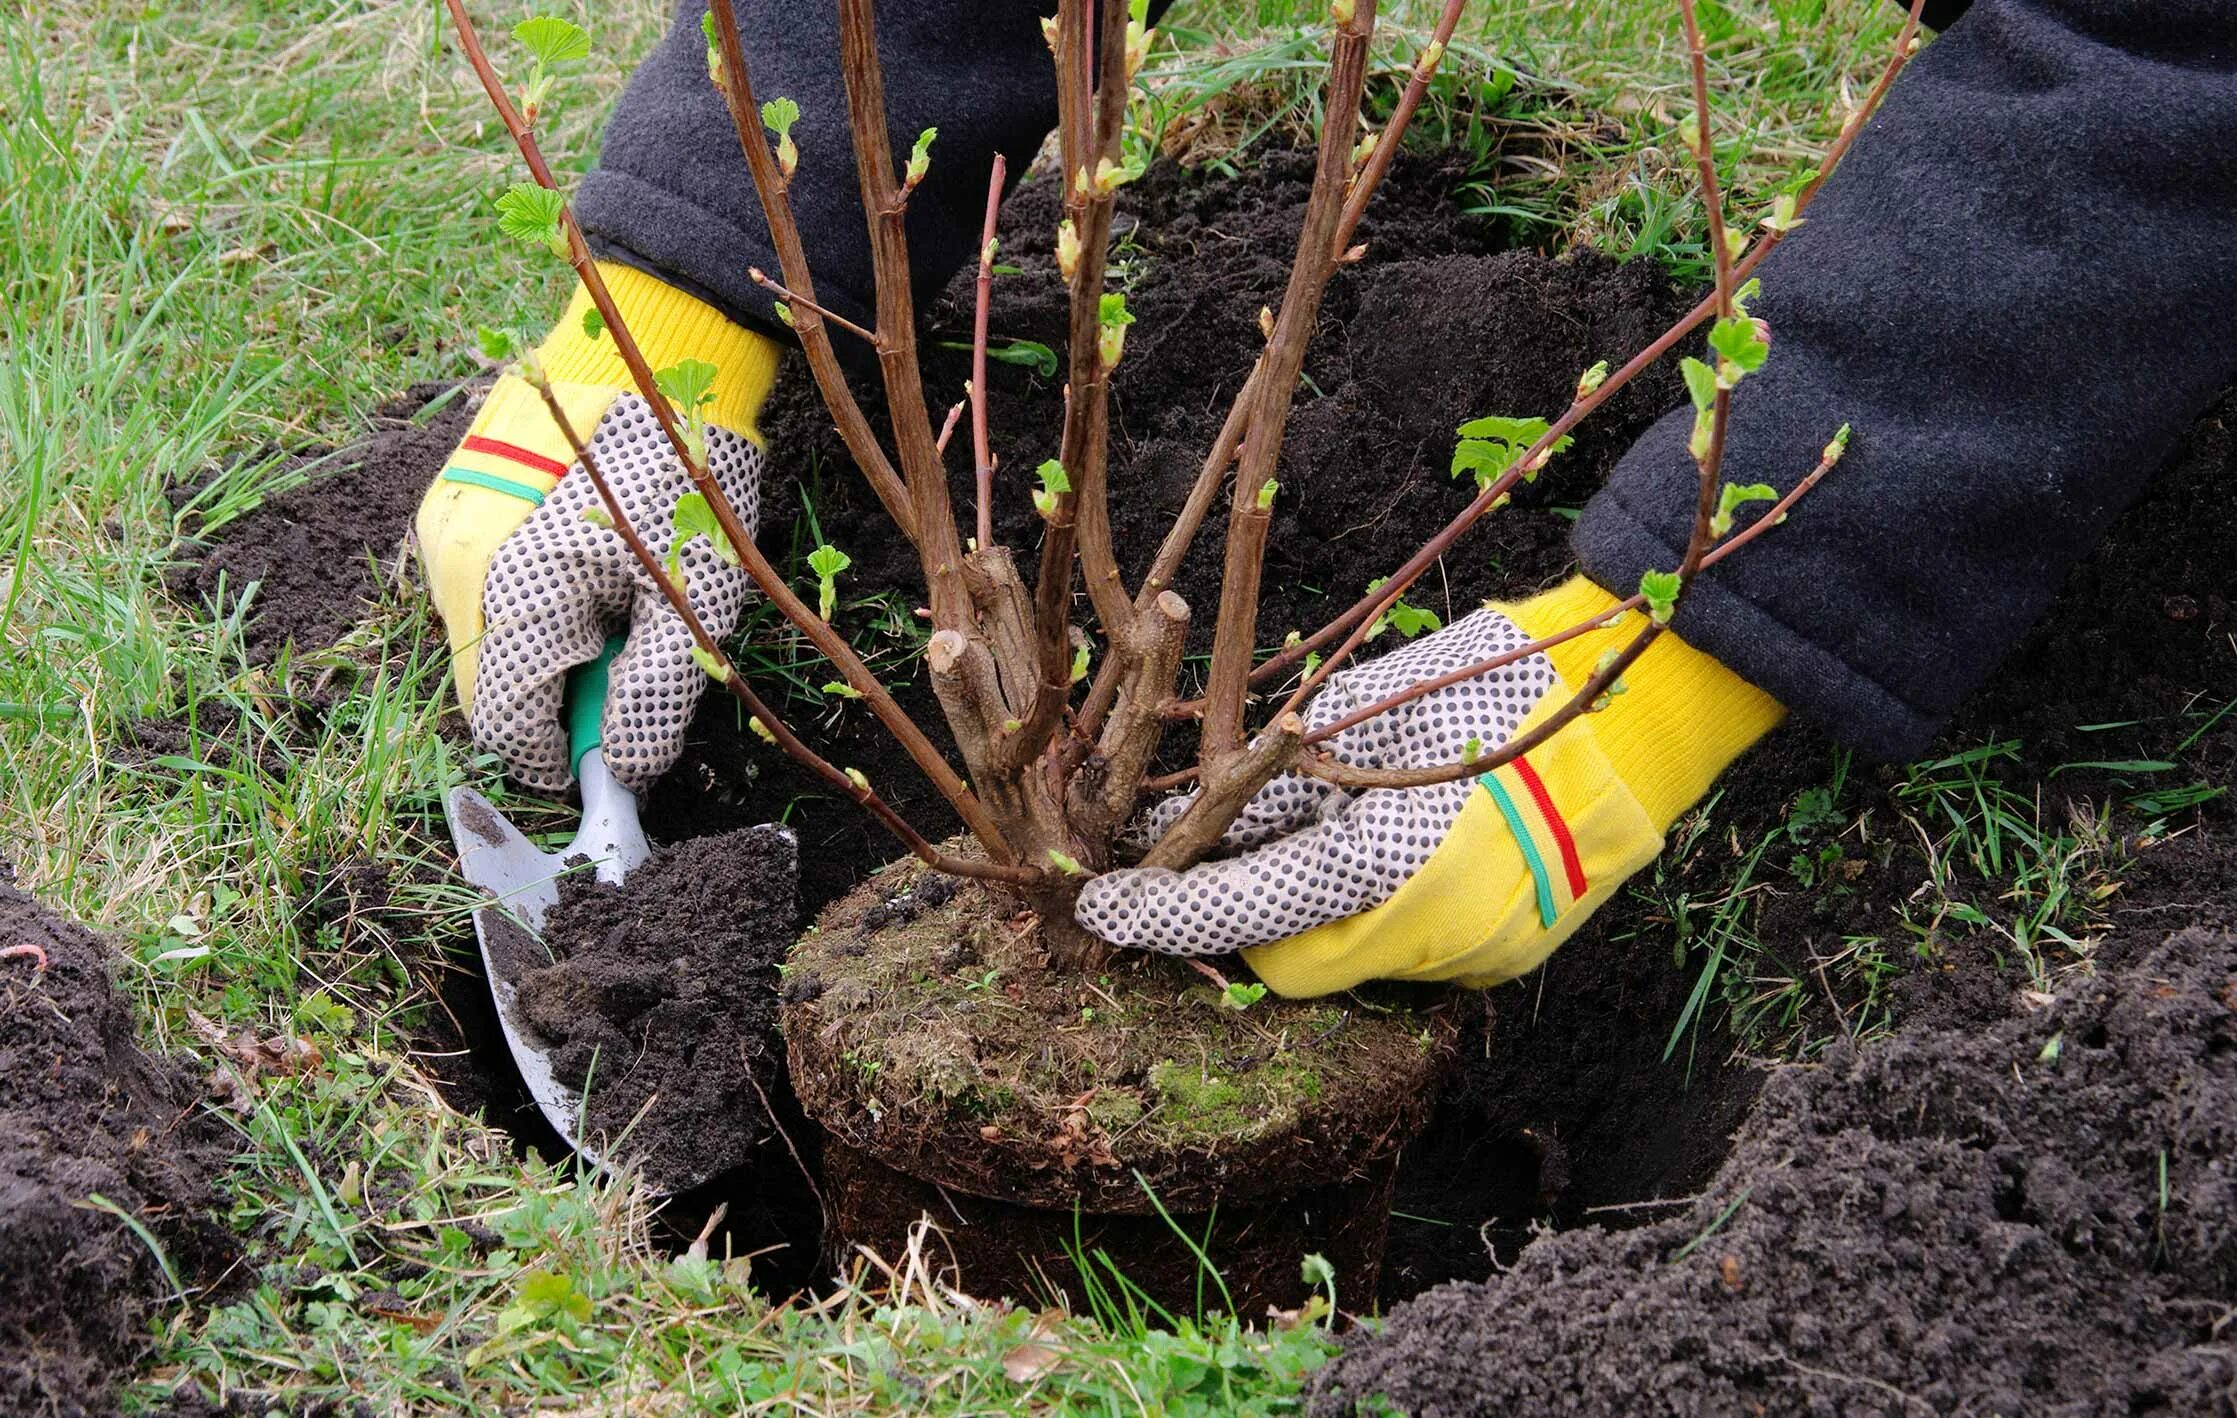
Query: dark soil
point(2032, 1217)
point(83, 1113)
point(663, 1000)
point(315, 556)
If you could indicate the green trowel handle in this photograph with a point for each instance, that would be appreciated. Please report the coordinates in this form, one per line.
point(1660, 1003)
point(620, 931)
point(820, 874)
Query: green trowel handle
point(585, 704)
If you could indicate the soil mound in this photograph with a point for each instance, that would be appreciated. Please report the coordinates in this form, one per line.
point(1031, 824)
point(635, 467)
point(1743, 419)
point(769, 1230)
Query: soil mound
point(84, 1114)
point(313, 553)
point(2031, 1218)
point(663, 999)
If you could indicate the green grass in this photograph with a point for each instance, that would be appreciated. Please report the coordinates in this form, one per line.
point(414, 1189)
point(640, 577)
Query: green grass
point(229, 229)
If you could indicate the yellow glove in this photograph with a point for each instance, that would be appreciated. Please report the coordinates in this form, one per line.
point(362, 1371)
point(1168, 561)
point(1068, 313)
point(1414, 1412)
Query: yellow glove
point(1475, 881)
point(527, 588)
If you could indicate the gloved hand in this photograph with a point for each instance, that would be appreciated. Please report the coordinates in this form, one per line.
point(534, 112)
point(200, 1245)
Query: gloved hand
point(528, 588)
point(1475, 881)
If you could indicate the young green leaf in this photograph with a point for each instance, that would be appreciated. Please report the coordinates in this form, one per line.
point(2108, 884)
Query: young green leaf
point(714, 47)
point(840, 689)
point(1054, 482)
point(497, 345)
point(1113, 317)
point(1701, 383)
point(827, 562)
point(1472, 750)
point(1485, 459)
point(530, 214)
point(920, 157)
point(779, 114)
point(1266, 493)
point(693, 517)
point(1521, 432)
point(1732, 497)
point(687, 383)
point(1239, 996)
point(1080, 655)
point(1740, 341)
point(1069, 865)
point(1660, 591)
point(594, 324)
point(597, 516)
point(1030, 354)
point(1591, 380)
point(1410, 620)
point(552, 40)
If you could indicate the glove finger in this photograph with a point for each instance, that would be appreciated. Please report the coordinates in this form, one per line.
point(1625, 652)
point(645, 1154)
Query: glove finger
point(651, 691)
point(1436, 727)
point(1352, 859)
point(545, 616)
point(1284, 805)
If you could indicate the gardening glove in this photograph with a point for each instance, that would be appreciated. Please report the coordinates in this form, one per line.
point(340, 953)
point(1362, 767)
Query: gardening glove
point(527, 588)
point(1475, 881)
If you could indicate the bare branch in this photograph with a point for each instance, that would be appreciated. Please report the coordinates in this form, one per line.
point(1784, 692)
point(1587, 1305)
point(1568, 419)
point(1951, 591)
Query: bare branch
point(792, 260)
point(982, 447)
point(726, 674)
point(1374, 603)
point(884, 205)
point(795, 303)
point(833, 646)
point(1251, 508)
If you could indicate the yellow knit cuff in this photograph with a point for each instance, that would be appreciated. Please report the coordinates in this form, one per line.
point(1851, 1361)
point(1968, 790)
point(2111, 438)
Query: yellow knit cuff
point(1683, 716)
point(669, 326)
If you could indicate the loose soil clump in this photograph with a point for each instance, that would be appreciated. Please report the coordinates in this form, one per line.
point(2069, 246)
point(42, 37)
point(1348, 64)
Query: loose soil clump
point(2030, 1218)
point(314, 553)
point(662, 999)
point(85, 1113)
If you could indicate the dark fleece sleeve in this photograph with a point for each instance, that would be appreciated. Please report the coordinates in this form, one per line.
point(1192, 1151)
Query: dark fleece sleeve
point(2020, 289)
point(671, 195)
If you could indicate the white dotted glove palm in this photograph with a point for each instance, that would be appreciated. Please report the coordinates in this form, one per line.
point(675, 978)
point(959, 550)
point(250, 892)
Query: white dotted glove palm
point(1310, 853)
point(561, 584)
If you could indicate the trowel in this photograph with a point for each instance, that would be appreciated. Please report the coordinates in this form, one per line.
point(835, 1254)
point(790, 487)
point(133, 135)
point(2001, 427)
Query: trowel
point(523, 883)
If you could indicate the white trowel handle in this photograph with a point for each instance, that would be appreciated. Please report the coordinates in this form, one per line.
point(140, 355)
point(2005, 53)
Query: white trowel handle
point(610, 835)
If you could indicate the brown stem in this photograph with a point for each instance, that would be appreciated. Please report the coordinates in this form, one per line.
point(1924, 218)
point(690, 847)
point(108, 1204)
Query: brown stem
point(1374, 603)
point(796, 303)
point(1386, 147)
point(1633, 602)
point(1250, 510)
point(982, 447)
point(1228, 783)
point(792, 260)
point(1103, 803)
point(833, 646)
point(884, 204)
point(727, 675)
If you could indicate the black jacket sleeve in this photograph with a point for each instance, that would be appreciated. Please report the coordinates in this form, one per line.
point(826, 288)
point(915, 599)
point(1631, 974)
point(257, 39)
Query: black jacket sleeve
point(2020, 289)
point(671, 194)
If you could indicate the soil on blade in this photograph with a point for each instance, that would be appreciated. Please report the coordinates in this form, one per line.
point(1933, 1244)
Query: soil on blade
point(662, 999)
point(85, 1113)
